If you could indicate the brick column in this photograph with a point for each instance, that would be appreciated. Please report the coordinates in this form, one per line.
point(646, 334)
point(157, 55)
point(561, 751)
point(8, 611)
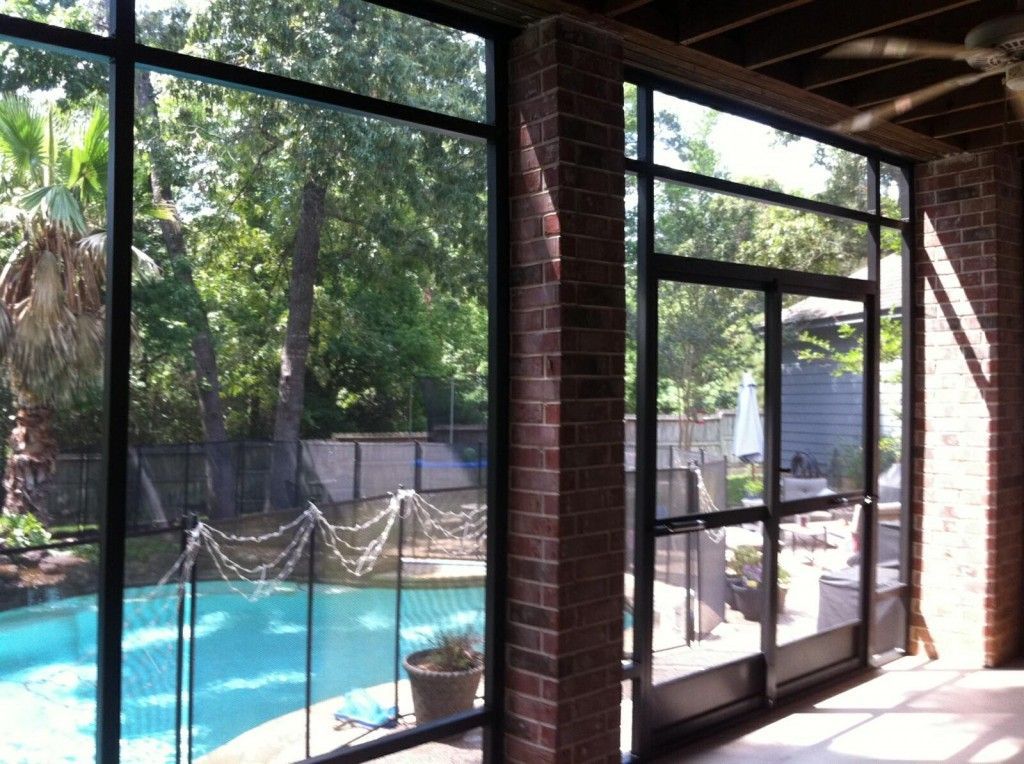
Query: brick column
point(968, 424)
point(566, 499)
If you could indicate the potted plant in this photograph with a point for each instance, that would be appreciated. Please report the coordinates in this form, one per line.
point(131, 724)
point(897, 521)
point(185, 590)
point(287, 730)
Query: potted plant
point(744, 573)
point(444, 677)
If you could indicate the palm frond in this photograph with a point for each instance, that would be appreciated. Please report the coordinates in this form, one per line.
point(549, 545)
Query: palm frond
point(56, 204)
point(43, 345)
point(163, 211)
point(88, 159)
point(6, 330)
point(94, 246)
point(88, 331)
point(22, 136)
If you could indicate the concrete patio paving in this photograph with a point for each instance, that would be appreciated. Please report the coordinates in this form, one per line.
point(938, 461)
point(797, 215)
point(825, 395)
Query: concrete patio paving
point(912, 710)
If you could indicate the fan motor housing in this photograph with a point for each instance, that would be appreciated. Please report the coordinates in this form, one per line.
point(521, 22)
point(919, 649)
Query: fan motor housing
point(1005, 34)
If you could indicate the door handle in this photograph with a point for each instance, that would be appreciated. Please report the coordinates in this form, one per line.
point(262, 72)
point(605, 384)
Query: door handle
point(684, 526)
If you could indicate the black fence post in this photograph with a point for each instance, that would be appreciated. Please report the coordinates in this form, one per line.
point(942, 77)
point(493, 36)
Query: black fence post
point(398, 603)
point(239, 475)
point(357, 469)
point(188, 461)
point(192, 649)
point(187, 523)
point(417, 479)
point(309, 630)
point(692, 508)
point(83, 493)
point(296, 490)
point(481, 472)
point(135, 496)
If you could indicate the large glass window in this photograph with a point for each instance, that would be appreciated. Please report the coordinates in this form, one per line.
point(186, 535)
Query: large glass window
point(53, 162)
point(352, 44)
point(697, 138)
point(307, 479)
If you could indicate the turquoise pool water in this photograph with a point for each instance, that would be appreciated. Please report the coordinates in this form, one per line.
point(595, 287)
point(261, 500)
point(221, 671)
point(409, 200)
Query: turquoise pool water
point(249, 662)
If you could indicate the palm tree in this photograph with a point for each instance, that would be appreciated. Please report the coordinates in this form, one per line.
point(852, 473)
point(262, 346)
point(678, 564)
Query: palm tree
point(52, 190)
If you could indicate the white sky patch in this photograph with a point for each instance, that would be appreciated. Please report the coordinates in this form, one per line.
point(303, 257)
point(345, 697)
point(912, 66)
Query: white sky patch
point(747, 149)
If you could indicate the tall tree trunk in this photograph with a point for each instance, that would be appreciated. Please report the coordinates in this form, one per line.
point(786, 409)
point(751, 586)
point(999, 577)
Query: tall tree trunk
point(32, 461)
point(220, 483)
point(291, 387)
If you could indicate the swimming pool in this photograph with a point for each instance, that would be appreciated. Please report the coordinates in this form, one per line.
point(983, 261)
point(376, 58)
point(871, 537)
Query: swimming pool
point(250, 659)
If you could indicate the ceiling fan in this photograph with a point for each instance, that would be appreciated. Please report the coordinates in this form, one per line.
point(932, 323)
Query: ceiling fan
point(994, 48)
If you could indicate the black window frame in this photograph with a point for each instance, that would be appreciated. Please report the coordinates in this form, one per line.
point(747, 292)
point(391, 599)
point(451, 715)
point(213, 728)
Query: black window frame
point(121, 52)
point(654, 266)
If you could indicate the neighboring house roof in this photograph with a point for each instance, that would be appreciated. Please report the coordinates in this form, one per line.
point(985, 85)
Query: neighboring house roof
point(830, 311)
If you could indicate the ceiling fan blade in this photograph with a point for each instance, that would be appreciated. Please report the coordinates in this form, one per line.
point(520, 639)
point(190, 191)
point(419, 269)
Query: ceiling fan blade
point(905, 103)
point(902, 47)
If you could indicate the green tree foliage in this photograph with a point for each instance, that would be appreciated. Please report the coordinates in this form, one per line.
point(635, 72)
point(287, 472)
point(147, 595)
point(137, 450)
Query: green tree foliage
point(400, 283)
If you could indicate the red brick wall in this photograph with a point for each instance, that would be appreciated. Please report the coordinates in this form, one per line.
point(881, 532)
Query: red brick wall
point(969, 438)
point(566, 500)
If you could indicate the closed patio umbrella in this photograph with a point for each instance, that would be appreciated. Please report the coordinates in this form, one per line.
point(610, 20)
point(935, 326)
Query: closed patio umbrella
point(748, 435)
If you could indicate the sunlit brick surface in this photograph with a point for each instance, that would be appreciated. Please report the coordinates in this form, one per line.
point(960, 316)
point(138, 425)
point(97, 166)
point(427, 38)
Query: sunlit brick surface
point(968, 423)
point(566, 493)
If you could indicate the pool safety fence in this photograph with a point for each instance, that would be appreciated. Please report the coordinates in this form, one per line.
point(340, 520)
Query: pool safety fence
point(254, 577)
point(245, 477)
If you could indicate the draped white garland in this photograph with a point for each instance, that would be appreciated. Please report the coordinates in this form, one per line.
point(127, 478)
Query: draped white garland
point(464, 526)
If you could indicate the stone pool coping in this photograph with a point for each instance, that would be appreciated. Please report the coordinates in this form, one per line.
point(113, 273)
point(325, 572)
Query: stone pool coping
point(282, 740)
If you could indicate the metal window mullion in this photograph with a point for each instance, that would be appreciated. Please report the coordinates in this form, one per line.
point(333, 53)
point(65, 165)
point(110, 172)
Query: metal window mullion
point(773, 464)
point(497, 399)
point(757, 193)
point(869, 550)
point(909, 394)
point(870, 391)
point(759, 277)
point(646, 432)
point(322, 96)
point(874, 179)
point(116, 388)
point(54, 39)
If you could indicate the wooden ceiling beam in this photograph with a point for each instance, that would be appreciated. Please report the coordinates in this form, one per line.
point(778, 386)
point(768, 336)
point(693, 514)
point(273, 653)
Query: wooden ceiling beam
point(820, 26)
point(838, 72)
point(726, 15)
point(991, 138)
point(659, 17)
point(947, 126)
point(982, 94)
point(614, 8)
point(892, 83)
point(699, 70)
point(818, 72)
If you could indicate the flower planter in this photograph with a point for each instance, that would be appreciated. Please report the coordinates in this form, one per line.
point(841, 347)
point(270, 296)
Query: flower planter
point(748, 600)
point(440, 694)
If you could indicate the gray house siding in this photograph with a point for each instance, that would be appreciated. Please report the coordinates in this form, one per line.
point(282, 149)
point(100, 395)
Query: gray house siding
point(822, 413)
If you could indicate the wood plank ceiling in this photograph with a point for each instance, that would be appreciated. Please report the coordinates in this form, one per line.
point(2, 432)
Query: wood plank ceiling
point(785, 40)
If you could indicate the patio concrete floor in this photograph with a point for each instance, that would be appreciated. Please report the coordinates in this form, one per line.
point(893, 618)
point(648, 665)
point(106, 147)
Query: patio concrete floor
point(912, 710)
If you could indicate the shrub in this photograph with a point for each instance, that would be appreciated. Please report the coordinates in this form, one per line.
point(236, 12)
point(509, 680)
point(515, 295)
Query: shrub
point(745, 563)
point(453, 651)
point(17, 531)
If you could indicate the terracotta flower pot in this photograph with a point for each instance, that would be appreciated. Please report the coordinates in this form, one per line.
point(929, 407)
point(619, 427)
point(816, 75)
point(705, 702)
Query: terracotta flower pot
point(440, 694)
